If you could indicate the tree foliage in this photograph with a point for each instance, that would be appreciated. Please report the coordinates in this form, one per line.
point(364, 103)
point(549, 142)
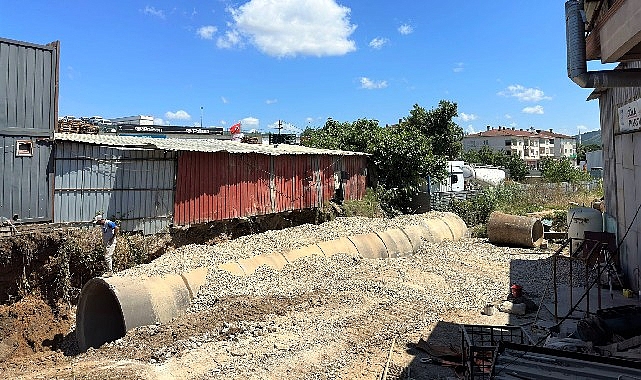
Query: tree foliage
point(582, 149)
point(486, 156)
point(403, 156)
point(445, 135)
point(561, 170)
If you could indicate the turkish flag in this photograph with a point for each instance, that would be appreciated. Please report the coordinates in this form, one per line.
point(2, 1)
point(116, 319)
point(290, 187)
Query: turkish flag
point(235, 129)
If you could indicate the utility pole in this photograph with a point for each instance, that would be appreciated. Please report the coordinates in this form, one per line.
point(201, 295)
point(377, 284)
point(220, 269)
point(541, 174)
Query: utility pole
point(280, 126)
point(201, 116)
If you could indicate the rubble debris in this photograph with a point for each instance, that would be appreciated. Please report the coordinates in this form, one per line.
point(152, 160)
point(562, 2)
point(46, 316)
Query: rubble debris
point(512, 308)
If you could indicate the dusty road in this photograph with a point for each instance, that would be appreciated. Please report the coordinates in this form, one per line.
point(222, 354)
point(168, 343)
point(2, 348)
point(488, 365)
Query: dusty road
point(342, 317)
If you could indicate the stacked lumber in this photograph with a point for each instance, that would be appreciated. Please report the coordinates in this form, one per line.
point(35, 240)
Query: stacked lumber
point(76, 126)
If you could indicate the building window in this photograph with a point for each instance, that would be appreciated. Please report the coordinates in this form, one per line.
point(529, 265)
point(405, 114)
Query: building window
point(508, 142)
point(24, 148)
point(485, 142)
point(551, 141)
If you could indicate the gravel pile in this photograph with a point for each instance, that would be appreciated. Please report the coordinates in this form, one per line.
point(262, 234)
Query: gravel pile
point(353, 306)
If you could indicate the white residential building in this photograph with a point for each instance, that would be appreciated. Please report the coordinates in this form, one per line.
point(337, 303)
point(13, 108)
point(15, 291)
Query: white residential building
point(530, 145)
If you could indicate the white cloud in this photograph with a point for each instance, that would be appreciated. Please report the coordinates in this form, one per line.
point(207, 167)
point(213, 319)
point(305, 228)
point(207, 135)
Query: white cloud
point(378, 43)
point(271, 101)
point(467, 117)
point(224, 100)
point(288, 28)
point(405, 29)
point(470, 129)
point(508, 116)
point(207, 32)
point(372, 85)
point(250, 121)
point(459, 67)
point(524, 94)
point(159, 121)
point(534, 110)
point(178, 115)
point(229, 40)
point(152, 11)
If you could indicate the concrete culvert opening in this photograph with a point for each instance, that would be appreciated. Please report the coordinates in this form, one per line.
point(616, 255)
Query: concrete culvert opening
point(99, 315)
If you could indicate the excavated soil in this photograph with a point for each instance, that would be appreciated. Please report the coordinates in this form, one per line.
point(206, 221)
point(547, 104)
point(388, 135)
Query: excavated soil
point(319, 318)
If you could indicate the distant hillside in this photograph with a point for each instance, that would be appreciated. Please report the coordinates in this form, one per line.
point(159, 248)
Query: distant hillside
point(588, 138)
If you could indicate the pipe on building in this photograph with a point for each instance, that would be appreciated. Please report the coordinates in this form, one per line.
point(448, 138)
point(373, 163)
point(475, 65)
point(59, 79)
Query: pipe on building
point(109, 307)
point(513, 230)
point(576, 55)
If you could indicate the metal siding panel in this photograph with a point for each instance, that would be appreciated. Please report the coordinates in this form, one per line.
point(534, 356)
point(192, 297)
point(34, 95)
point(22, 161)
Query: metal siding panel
point(30, 87)
point(12, 87)
point(40, 121)
point(4, 85)
point(100, 179)
point(21, 77)
point(179, 212)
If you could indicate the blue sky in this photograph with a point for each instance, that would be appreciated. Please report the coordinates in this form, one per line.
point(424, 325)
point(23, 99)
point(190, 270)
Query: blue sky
point(303, 61)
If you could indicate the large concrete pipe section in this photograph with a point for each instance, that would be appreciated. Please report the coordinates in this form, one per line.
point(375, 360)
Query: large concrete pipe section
point(391, 243)
point(513, 230)
point(109, 307)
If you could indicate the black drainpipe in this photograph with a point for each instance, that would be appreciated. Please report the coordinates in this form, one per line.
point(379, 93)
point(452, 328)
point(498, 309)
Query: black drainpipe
point(577, 65)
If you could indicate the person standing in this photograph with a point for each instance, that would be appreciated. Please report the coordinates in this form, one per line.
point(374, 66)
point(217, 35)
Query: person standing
point(109, 231)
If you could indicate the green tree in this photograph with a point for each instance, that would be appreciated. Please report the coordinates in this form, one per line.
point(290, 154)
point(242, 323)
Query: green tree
point(402, 158)
point(486, 156)
point(517, 167)
point(561, 170)
point(582, 149)
point(437, 124)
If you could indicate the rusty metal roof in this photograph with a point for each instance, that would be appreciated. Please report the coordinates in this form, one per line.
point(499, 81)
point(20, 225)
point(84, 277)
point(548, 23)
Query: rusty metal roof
point(197, 145)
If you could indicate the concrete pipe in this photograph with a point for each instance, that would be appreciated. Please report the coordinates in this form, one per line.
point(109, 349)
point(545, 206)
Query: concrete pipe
point(417, 234)
point(456, 225)
point(309, 250)
point(513, 230)
point(396, 242)
point(438, 229)
point(273, 260)
point(334, 247)
point(369, 246)
point(109, 307)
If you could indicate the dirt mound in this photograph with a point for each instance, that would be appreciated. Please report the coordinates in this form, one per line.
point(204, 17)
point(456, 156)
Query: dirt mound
point(31, 326)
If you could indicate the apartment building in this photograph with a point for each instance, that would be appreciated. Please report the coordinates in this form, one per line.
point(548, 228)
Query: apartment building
point(528, 144)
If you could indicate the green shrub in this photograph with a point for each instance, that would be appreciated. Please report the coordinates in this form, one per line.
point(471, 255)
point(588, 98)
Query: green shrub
point(369, 206)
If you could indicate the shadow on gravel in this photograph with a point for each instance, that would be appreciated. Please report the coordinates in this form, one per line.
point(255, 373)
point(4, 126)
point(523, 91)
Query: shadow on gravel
point(448, 352)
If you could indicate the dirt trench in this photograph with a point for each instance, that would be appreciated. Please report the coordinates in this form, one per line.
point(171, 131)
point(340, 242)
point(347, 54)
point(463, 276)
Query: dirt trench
point(43, 270)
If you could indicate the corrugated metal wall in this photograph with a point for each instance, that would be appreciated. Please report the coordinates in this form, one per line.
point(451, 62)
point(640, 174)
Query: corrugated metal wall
point(135, 187)
point(622, 174)
point(28, 113)
point(218, 186)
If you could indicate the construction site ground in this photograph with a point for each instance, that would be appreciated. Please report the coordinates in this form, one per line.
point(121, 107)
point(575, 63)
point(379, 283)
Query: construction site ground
point(342, 317)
